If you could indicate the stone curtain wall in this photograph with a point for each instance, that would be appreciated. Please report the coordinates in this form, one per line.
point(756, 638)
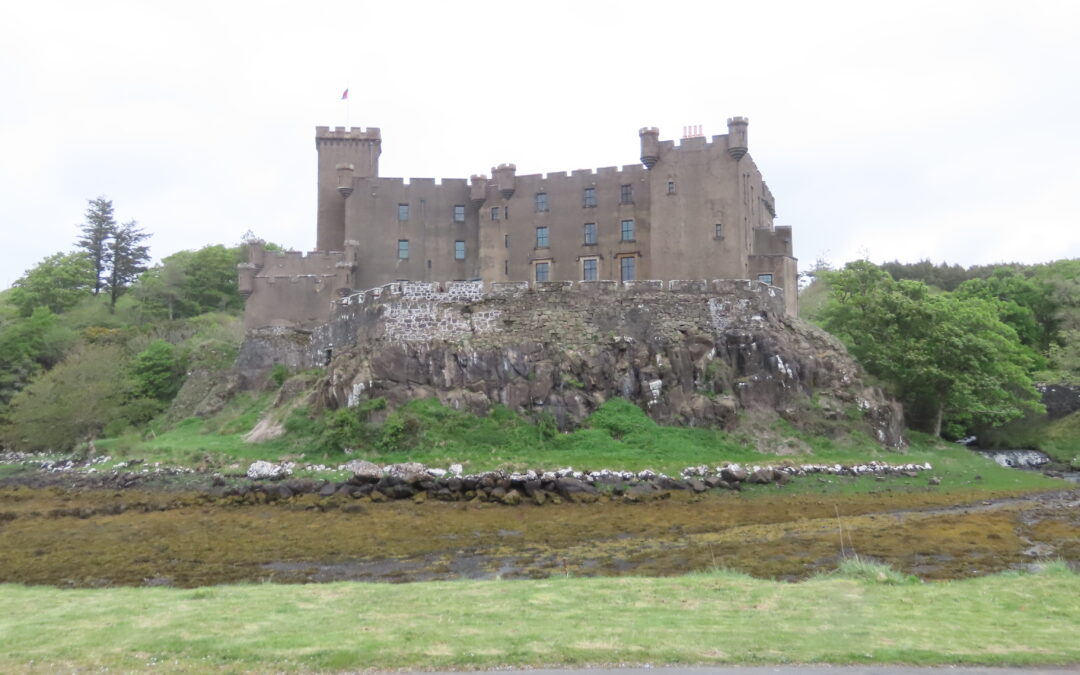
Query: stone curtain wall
point(571, 313)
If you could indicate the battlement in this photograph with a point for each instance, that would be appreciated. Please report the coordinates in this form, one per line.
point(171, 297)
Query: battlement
point(351, 133)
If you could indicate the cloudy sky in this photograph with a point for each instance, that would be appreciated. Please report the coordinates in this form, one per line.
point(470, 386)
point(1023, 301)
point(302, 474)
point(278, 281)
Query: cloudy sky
point(945, 130)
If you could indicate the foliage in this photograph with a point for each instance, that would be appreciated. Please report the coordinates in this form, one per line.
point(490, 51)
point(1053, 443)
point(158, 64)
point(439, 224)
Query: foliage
point(157, 372)
point(70, 403)
point(278, 374)
point(127, 258)
point(949, 359)
point(1023, 303)
point(58, 282)
point(28, 346)
point(189, 283)
point(96, 232)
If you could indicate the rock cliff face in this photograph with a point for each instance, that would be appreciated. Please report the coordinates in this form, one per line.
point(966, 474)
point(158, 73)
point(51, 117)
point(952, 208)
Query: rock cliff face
point(690, 353)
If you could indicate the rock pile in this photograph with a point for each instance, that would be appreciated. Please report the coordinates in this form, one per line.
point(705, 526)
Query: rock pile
point(415, 481)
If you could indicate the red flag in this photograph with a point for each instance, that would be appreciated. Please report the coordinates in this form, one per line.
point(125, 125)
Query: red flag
point(345, 95)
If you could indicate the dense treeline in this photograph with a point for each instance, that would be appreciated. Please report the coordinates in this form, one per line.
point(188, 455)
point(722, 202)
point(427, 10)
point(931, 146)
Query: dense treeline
point(959, 347)
point(94, 340)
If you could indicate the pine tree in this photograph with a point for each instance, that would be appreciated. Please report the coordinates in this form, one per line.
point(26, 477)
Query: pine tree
point(126, 258)
point(96, 231)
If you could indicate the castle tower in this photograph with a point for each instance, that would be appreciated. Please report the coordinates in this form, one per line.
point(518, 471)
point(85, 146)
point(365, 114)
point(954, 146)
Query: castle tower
point(343, 155)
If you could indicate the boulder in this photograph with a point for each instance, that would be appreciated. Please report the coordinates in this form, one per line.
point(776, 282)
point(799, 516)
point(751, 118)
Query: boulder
point(576, 490)
point(262, 470)
point(511, 498)
point(761, 476)
point(734, 474)
point(407, 472)
point(363, 471)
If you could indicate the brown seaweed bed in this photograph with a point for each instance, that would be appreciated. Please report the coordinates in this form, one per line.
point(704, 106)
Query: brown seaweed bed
point(97, 537)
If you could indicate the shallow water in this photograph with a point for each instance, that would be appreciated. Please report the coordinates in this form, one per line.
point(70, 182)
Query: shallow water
point(126, 537)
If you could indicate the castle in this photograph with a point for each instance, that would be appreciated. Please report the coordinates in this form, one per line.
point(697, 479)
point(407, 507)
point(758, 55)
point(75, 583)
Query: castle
point(698, 209)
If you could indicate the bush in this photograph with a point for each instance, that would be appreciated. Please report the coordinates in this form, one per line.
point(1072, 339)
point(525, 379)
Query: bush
point(157, 372)
point(278, 374)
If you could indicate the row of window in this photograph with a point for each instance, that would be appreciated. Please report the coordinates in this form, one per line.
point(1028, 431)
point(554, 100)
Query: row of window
point(459, 213)
point(403, 249)
point(543, 240)
point(589, 269)
point(588, 199)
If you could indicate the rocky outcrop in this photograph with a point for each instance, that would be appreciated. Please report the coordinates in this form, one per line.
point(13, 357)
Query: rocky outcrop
point(1060, 399)
point(691, 353)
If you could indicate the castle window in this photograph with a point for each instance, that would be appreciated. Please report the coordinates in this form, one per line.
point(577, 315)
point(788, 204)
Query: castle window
point(589, 269)
point(590, 234)
point(718, 233)
point(588, 198)
point(459, 213)
point(541, 237)
point(627, 269)
point(765, 278)
point(506, 213)
point(627, 230)
point(541, 202)
point(459, 250)
point(671, 187)
point(403, 249)
point(494, 212)
point(506, 241)
point(402, 212)
point(543, 271)
point(506, 267)
point(626, 194)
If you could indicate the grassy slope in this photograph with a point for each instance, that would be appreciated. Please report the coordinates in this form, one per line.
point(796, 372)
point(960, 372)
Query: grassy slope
point(618, 436)
point(704, 618)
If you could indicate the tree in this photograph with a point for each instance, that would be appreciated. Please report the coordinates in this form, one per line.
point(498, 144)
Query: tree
point(950, 360)
point(127, 258)
point(28, 345)
point(70, 403)
point(96, 232)
point(157, 372)
point(57, 282)
point(189, 283)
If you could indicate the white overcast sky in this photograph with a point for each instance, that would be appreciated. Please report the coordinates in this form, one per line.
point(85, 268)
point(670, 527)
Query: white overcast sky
point(905, 130)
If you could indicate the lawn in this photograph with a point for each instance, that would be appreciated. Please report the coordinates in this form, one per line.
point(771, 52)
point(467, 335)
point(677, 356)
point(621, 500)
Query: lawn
point(864, 614)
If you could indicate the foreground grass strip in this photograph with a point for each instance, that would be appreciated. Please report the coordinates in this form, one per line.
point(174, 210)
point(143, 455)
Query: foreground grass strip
point(717, 617)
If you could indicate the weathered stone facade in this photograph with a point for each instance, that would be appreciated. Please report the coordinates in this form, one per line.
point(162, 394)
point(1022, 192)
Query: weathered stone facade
point(688, 352)
point(697, 209)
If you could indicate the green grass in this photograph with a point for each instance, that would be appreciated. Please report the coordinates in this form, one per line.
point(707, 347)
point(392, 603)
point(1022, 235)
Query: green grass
point(617, 436)
point(713, 617)
point(1060, 438)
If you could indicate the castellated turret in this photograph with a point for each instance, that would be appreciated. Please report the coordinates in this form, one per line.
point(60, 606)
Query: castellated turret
point(650, 146)
point(344, 154)
point(345, 177)
point(737, 137)
point(478, 189)
point(504, 176)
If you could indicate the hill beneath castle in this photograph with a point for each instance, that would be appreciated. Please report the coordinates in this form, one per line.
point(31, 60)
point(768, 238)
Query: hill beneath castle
point(691, 353)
